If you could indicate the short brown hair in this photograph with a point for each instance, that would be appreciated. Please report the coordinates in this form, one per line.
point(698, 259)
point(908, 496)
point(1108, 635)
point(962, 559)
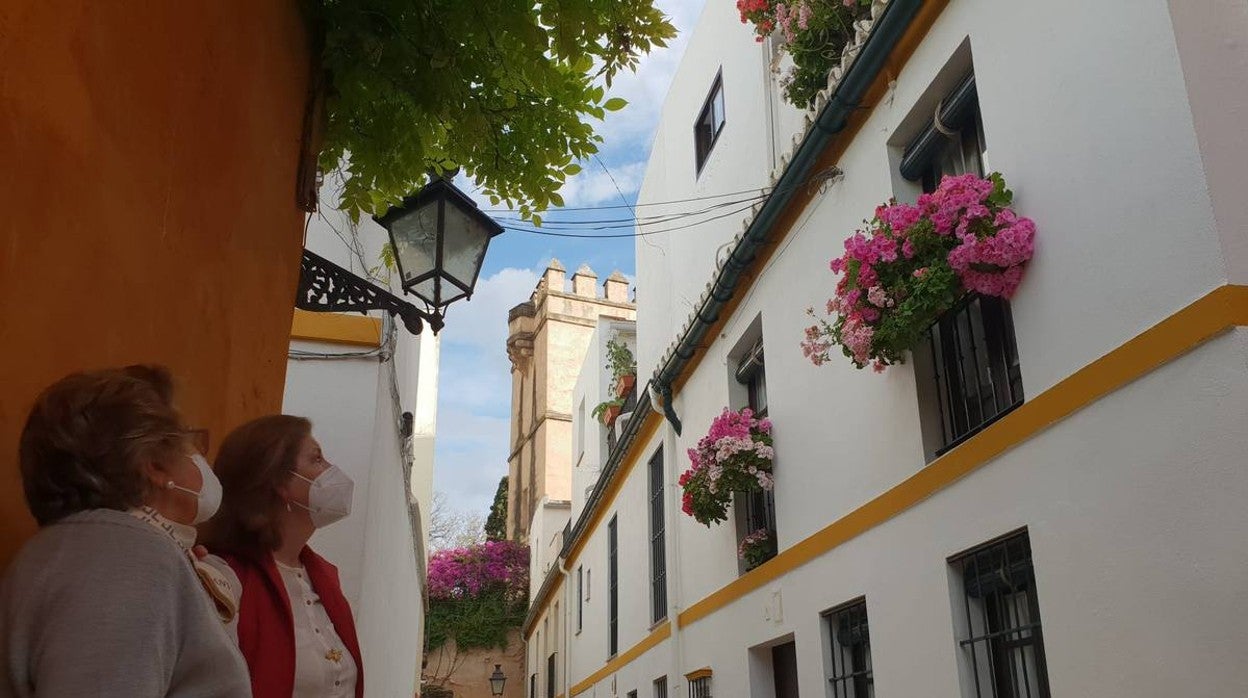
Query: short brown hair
point(254, 460)
point(87, 436)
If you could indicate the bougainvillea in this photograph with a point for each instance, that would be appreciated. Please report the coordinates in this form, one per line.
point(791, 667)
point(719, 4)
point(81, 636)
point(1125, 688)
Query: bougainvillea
point(477, 594)
point(734, 456)
point(757, 548)
point(815, 32)
point(914, 262)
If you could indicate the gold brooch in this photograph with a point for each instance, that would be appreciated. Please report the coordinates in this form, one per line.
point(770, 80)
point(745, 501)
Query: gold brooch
point(334, 656)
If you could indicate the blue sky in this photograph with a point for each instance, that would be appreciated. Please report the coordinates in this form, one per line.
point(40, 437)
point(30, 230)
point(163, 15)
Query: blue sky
point(474, 399)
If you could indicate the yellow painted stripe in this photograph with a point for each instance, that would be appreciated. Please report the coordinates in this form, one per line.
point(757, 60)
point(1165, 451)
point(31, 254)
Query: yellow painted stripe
point(660, 634)
point(1217, 312)
point(359, 330)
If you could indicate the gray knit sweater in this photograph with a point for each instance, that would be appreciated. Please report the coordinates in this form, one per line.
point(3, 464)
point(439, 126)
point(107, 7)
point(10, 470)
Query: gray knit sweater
point(101, 604)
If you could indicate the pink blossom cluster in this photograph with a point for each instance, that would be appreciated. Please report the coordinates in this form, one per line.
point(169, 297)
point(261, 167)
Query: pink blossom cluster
point(736, 453)
point(760, 537)
point(965, 225)
point(467, 572)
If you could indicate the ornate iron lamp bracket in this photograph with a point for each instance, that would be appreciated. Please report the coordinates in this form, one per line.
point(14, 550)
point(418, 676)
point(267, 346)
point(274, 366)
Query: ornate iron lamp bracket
point(325, 287)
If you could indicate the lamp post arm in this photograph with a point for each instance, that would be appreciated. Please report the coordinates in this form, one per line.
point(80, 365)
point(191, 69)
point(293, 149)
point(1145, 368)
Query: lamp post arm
point(325, 287)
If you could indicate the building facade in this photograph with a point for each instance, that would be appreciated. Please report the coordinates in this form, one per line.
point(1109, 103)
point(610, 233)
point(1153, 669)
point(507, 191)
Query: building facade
point(370, 389)
point(1069, 534)
point(547, 339)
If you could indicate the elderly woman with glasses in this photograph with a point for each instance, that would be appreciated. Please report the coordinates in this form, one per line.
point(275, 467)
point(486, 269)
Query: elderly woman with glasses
point(108, 598)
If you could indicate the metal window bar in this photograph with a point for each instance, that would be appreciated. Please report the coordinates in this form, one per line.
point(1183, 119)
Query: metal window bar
point(850, 648)
point(550, 676)
point(1005, 643)
point(613, 595)
point(700, 688)
point(976, 368)
point(580, 598)
point(658, 554)
point(660, 687)
point(760, 507)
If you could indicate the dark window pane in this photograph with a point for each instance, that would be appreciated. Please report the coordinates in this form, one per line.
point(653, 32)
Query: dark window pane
point(850, 674)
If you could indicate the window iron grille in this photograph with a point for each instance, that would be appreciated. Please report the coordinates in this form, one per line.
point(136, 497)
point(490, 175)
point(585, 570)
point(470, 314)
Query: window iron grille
point(975, 367)
point(658, 553)
point(850, 649)
point(613, 595)
point(660, 687)
point(700, 688)
point(1004, 645)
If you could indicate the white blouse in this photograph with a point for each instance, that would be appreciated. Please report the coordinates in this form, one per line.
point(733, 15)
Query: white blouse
point(323, 666)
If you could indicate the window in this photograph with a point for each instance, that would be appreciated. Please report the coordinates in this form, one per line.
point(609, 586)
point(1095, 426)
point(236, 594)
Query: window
point(550, 676)
point(660, 687)
point(588, 579)
point(532, 685)
point(632, 694)
point(849, 663)
point(580, 598)
point(700, 687)
point(1002, 646)
point(658, 554)
point(968, 364)
point(710, 122)
point(760, 507)
point(613, 592)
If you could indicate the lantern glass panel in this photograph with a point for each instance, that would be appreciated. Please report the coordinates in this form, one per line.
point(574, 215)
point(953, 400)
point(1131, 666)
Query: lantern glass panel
point(415, 237)
point(464, 244)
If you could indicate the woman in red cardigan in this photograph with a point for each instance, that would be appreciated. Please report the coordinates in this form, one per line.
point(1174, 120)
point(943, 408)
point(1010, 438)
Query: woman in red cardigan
point(294, 626)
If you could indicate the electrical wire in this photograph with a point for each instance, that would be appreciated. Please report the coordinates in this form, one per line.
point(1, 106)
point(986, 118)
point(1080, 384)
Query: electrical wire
point(707, 197)
point(642, 234)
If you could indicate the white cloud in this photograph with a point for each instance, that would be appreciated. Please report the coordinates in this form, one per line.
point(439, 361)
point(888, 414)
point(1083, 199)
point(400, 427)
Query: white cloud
point(595, 186)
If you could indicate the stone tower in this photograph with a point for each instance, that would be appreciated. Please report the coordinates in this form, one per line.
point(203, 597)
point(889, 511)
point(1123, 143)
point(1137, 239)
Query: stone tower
point(548, 336)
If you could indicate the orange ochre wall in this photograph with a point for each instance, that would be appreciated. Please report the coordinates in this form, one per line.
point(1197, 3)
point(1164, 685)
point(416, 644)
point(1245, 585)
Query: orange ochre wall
point(148, 157)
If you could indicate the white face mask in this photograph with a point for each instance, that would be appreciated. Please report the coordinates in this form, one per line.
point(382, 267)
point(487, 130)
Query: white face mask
point(208, 498)
point(329, 496)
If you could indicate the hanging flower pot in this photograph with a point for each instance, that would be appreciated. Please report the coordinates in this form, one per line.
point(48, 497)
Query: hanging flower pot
point(735, 456)
point(607, 412)
point(914, 262)
point(624, 383)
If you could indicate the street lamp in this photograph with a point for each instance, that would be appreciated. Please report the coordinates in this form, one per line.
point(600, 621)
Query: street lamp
point(439, 237)
point(497, 679)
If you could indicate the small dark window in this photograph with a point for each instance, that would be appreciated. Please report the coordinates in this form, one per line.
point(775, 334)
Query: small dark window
point(660, 687)
point(632, 694)
point(580, 598)
point(710, 122)
point(532, 685)
point(850, 660)
point(760, 507)
point(551, 684)
point(971, 357)
point(658, 554)
point(700, 687)
point(1002, 643)
point(613, 592)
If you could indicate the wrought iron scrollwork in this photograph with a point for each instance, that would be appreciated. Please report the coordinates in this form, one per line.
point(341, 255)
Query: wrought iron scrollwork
point(325, 287)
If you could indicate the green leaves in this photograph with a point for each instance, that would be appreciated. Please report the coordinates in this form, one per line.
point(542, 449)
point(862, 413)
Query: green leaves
point(504, 90)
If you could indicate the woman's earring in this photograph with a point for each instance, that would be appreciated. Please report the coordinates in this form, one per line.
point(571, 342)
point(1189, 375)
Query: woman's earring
point(169, 485)
point(288, 506)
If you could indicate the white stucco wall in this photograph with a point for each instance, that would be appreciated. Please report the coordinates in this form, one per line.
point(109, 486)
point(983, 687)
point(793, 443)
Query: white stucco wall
point(1133, 504)
point(379, 550)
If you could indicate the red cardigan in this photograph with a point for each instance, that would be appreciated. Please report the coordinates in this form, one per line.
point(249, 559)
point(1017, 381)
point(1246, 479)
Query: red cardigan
point(266, 626)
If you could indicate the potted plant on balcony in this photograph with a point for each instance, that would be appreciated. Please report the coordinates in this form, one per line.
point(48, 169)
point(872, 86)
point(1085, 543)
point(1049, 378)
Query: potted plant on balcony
point(757, 548)
point(606, 412)
point(815, 34)
point(735, 456)
point(622, 365)
point(914, 262)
